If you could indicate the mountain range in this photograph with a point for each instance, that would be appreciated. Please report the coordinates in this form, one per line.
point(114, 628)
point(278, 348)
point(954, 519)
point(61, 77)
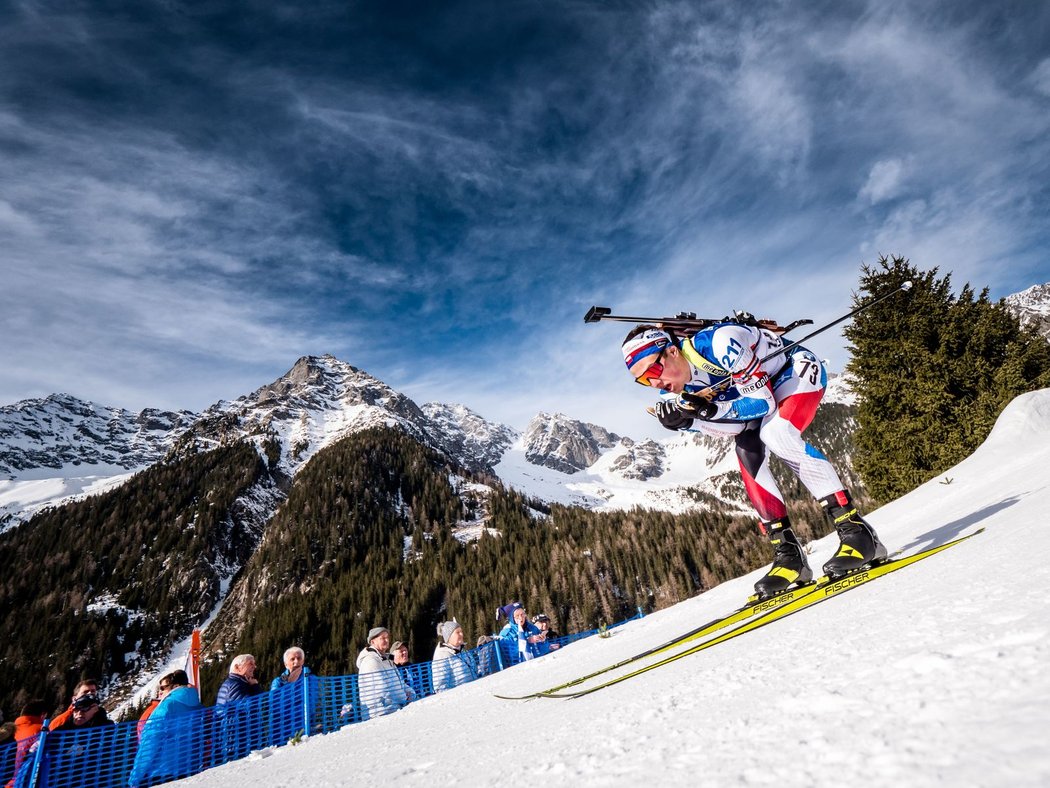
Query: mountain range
point(221, 534)
point(59, 448)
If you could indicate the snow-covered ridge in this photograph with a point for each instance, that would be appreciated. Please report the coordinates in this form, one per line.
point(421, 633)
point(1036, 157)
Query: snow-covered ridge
point(1032, 306)
point(57, 435)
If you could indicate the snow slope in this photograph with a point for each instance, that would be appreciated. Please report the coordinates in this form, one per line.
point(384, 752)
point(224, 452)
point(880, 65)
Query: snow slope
point(935, 675)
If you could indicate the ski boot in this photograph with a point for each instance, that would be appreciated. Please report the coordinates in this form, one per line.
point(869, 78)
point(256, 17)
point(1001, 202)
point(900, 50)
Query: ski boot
point(859, 545)
point(789, 561)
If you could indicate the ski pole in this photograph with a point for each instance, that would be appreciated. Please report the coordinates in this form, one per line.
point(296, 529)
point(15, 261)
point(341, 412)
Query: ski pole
point(904, 287)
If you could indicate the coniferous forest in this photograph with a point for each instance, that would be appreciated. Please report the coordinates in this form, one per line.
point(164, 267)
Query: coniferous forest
point(366, 538)
point(933, 372)
point(92, 587)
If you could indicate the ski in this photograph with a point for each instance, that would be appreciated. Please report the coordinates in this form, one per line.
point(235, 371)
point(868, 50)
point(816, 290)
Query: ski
point(825, 589)
point(754, 607)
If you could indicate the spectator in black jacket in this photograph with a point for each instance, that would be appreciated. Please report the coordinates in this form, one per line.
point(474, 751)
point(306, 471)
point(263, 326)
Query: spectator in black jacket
point(84, 712)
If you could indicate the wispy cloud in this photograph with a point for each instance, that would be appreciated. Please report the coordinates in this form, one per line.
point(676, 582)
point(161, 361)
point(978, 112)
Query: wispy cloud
point(193, 198)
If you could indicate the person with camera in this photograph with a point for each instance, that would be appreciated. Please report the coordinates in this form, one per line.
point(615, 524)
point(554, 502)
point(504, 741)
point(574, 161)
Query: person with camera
point(85, 710)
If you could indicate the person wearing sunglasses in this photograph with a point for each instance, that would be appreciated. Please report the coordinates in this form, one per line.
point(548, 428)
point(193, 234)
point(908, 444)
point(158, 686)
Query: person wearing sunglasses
point(719, 382)
point(85, 710)
point(171, 741)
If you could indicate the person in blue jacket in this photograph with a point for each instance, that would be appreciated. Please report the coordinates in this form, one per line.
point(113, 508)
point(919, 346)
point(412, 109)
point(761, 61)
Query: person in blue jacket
point(241, 724)
point(520, 636)
point(170, 746)
point(241, 683)
point(294, 668)
point(292, 688)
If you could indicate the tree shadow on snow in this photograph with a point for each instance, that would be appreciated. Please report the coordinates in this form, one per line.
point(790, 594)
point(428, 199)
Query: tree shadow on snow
point(949, 531)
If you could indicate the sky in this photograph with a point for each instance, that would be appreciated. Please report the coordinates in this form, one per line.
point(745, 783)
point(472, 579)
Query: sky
point(194, 195)
point(934, 675)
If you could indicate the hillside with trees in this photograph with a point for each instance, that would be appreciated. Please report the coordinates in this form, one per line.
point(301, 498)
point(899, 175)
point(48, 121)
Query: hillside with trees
point(933, 371)
point(102, 586)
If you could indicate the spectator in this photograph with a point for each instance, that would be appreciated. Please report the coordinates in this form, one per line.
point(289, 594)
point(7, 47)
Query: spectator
point(294, 707)
point(242, 729)
point(172, 737)
point(519, 635)
point(241, 683)
point(451, 665)
point(543, 624)
point(382, 688)
point(84, 712)
point(415, 676)
point(486, 656)
point(27, 726)
point(294, 668)
point(87, 685)
point(399, 651)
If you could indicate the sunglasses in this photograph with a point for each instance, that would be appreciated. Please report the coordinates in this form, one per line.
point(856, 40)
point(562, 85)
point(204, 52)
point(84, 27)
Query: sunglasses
point(652, 372)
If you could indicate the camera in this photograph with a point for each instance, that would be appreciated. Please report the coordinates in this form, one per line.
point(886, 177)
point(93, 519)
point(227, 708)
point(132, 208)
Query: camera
point(85, 702)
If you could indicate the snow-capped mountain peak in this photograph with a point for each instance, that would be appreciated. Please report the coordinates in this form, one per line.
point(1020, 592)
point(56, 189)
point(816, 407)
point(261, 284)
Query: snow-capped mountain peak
point(564, 444)
point(1032, 307)
point(61, 430)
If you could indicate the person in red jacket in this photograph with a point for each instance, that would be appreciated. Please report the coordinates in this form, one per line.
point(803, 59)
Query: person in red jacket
point(27, 726)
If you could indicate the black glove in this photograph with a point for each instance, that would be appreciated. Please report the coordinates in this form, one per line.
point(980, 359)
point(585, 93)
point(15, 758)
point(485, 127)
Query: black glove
point(695, 406)
point(671, 416)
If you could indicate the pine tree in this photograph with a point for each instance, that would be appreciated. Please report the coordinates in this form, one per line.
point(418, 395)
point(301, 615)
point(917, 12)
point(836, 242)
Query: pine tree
point(933, 371)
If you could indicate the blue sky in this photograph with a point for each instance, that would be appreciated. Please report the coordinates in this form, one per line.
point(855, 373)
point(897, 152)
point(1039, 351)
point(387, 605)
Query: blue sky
point(193, 195)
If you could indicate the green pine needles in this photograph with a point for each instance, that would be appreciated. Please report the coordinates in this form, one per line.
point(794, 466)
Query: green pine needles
point(933, 372)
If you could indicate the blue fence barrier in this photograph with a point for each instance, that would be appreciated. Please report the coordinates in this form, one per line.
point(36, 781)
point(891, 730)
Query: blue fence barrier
point(138, 755)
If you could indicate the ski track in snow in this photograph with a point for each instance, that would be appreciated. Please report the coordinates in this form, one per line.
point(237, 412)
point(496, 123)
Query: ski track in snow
point(934, 675)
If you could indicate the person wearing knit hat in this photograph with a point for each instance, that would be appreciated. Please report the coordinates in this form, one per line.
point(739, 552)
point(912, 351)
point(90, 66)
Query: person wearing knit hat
point(507, 611)
point(382, 687)
point(452, 665)
point(448, 633)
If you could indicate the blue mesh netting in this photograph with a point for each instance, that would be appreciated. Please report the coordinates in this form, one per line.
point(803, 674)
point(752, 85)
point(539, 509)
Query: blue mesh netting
point(137, 754)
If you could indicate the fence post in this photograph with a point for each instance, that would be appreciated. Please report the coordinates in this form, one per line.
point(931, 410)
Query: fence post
point(38, 756)
point(640, 613)
point(306, 704)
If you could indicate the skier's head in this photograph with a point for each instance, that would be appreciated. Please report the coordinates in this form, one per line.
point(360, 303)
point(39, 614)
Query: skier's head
point(653, 359)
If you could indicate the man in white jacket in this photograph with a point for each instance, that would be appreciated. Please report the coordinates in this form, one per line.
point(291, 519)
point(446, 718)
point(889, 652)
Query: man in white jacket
point(380, 684)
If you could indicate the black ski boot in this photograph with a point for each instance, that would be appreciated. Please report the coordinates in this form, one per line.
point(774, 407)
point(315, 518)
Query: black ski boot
point(789, 561)
point(859, 545)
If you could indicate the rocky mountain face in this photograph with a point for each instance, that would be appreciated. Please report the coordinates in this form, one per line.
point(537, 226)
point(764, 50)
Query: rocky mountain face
point(61, 430)
point(1032, 307)
point(564, 444)
point(322, 399)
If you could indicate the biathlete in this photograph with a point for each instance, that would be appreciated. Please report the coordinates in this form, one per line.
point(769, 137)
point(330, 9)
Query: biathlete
point(762, 406)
